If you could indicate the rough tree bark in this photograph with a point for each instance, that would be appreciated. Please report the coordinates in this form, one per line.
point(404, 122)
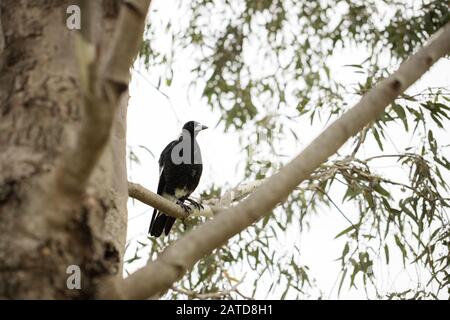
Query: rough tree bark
point(40, 116)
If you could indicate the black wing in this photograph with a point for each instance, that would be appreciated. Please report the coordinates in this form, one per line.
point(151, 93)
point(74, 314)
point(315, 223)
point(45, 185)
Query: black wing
point(160, 221)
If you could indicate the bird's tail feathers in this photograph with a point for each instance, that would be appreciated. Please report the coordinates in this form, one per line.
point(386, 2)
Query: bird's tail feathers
point(169, 223)
point(160, 222)
point(157, 224)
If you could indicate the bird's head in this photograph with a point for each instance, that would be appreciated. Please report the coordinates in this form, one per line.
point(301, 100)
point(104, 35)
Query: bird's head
point(194, 127)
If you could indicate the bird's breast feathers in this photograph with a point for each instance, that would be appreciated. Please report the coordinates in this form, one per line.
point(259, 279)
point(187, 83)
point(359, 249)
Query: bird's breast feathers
point(179, 193)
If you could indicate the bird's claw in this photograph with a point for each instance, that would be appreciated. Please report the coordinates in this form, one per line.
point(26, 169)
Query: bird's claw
point(196, 204)
point(185, 207)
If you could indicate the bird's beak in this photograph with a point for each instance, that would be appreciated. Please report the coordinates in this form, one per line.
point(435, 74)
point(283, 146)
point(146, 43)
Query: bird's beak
point(204, 127)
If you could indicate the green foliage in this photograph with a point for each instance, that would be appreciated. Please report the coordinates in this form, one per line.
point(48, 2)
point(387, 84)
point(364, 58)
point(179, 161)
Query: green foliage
point(411, 28)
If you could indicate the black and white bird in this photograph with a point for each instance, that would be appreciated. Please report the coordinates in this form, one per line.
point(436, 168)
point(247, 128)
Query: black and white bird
point(180, 169)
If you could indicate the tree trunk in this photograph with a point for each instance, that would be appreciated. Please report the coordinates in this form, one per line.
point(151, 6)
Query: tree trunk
point(40, 115)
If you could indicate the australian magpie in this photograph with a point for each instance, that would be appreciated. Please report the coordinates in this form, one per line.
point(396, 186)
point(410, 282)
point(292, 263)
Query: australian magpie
point(180, 169)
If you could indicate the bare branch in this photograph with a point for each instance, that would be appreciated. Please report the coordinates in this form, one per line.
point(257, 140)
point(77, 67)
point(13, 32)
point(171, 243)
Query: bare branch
point(101, 87)
point(159, 275)
point(240, 191)
point(212, 206)
point(154, 200)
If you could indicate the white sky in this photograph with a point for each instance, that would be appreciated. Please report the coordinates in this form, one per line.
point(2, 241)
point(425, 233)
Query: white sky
point(152, 122)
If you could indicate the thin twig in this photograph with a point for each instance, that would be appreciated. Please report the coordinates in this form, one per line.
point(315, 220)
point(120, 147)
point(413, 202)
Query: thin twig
point(210, 295)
